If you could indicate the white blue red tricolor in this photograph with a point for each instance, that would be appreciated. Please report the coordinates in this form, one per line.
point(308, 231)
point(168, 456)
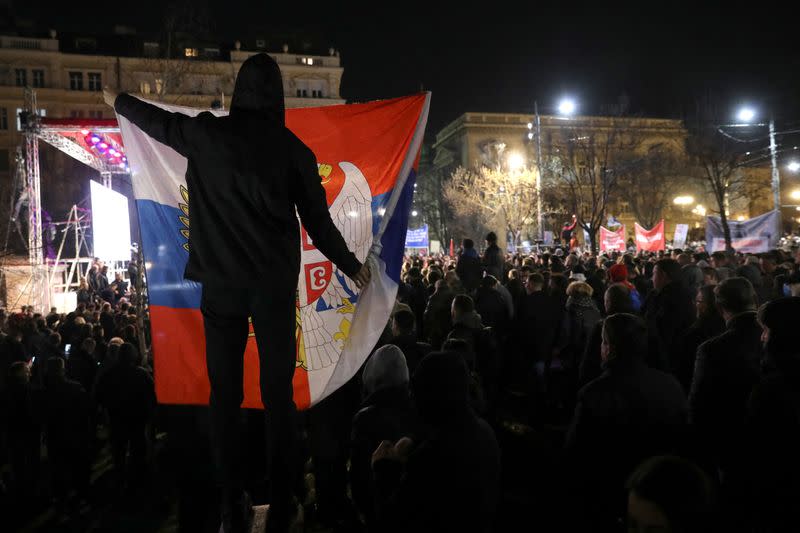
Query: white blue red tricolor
point(367, 156)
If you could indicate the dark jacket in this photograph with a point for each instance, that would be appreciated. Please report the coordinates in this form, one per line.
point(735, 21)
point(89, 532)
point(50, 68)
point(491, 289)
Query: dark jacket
point(703, 329)
point(246, 173)
point(670, 313)
point(386, 414)
point(629, 413)
point(82, 367)
point(65, 409)
point(538, 325)
point(437, 316)
point(109, 325)
point(127, 392)
point(469, 270)
point(576, 328)
point(726, 370)
point(413, 350)
point(494, 261)
point(489, 303)
point(451, 481)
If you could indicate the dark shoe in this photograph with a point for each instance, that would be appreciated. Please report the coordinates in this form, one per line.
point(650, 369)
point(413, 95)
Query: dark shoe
point(237, 514)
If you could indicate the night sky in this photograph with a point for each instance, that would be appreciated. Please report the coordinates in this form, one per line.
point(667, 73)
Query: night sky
point(498, 57)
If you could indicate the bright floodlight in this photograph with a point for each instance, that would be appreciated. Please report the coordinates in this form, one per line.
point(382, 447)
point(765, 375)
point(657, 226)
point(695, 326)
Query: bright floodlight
point(746, 114)
point(566, 106)
point(794, 166)
point(515, 161)
point(414, 213)
point(795, 194)
point(683, 200)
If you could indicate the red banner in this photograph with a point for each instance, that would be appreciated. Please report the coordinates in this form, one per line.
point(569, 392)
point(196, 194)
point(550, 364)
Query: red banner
point(650, 240)
point(612, 241)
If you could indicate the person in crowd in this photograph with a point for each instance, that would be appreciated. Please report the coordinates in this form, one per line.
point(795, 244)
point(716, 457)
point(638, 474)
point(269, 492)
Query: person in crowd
point(617, 299)
point(107, 321)
point(386, 413)
point(629, 413)
point(491, 306)
point(773, 420)
point(792, 286)
point(618, 273)
point(537, 329)
point(82, 365)
point(417, 297)
point(437, 314)
point(668, 310)
point(65, 409)
point(493, 260)
point(127, 392)
point(670, 495)
point(227, 267)
point(449, 480)
point(710, 276)
point(405, 338)
point(23, 434)
point(516, 287)
point(576, 327)
point(482, 342)
point(707, 325)
point(469, 267)
point(120, 287)
point(722, 264)
point(726, 369)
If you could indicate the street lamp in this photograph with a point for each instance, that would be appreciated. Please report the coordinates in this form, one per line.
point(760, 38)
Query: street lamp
point(566, 107)
point(795, 194)
point(793, 166)
point(683, 200)
point(515, 161)
point(746, 115)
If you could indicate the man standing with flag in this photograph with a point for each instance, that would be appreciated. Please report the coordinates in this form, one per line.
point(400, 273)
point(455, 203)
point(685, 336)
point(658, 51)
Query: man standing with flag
point(246, 175)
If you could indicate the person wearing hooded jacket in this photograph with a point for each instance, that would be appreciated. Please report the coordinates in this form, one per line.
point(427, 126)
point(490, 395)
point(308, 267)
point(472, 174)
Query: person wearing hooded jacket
point(246, 175)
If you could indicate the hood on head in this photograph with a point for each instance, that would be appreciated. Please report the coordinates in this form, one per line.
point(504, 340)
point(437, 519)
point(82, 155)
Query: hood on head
point(387, 368)
point(259, 89)
point(441, 388)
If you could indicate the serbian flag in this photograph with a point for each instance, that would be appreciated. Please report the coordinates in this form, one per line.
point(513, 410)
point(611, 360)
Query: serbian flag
point(367, 157)
point(650, 240)
point(612, 241)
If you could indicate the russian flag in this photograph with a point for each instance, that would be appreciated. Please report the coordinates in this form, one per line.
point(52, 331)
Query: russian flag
point(367, 156)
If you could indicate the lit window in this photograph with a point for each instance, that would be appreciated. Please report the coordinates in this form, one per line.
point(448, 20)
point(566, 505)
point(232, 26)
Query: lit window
point(159, 86)
point(191, 52)
point(307, 60)
point(3, 118)
point(95, 81)
point(144, 87)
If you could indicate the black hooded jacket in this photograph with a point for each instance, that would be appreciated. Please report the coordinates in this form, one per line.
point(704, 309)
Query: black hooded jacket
point(246, 173)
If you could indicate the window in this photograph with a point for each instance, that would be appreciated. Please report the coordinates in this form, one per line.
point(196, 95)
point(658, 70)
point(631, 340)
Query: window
point(159, 86)
point(5, 164)
point(307, 60)
point(190, 52)
point(21, 77)
point(315, 93)
point(299, 93)
point(95, 81)
point(150, 49)
point(38, 78)
point(76, 81)
point(95, 113)
point(3, 118)
point(144, 87)
point(305, 93)
point(76, 113)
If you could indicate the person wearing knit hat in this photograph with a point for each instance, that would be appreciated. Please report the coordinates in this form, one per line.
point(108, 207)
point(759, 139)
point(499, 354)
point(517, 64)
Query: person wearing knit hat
point(773, 423)
point(619, 274)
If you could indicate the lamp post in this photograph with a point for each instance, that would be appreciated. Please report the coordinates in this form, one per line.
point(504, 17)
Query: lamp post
point(746, 115)
point(565, 107)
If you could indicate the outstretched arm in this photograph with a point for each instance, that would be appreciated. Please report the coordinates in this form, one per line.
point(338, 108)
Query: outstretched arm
point(309, 197)
point(171, 129)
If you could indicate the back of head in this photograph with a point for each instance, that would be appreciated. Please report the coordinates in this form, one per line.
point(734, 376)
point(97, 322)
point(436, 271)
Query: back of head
point(441, 388)
point(387, 368)
point(736, 295)
point(781, 318)
point(129, 355)
point(259, 89)
point(670, 267)
point(578, 289)
point(405, 321)
point(626, 335)
point(680, 490)
point(468, 244)
point(491, 237)
point(536, 280)
point(54, 370)
point(488, 282)
point(692, 276)
point(618, 299)
point(618, 273)
point(463, 305)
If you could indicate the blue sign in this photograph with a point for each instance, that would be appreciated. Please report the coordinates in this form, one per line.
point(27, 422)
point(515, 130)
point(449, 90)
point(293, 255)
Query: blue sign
point(417, 238)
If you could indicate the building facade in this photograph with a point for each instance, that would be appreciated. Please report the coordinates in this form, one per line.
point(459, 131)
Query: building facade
point(69, 74)
point(480, 139)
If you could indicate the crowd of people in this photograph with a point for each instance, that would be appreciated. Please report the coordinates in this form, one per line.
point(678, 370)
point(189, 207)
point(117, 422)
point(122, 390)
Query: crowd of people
point(671, 379)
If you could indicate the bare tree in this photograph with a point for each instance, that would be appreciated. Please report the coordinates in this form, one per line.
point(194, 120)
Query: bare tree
point(588, 169)
point(495, 197)
point(648, 182)
point(718, 160)
point(432, 203)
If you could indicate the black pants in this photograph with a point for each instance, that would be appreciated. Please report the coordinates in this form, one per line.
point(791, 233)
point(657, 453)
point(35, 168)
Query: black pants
point(128, 434)
point(225, 316)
